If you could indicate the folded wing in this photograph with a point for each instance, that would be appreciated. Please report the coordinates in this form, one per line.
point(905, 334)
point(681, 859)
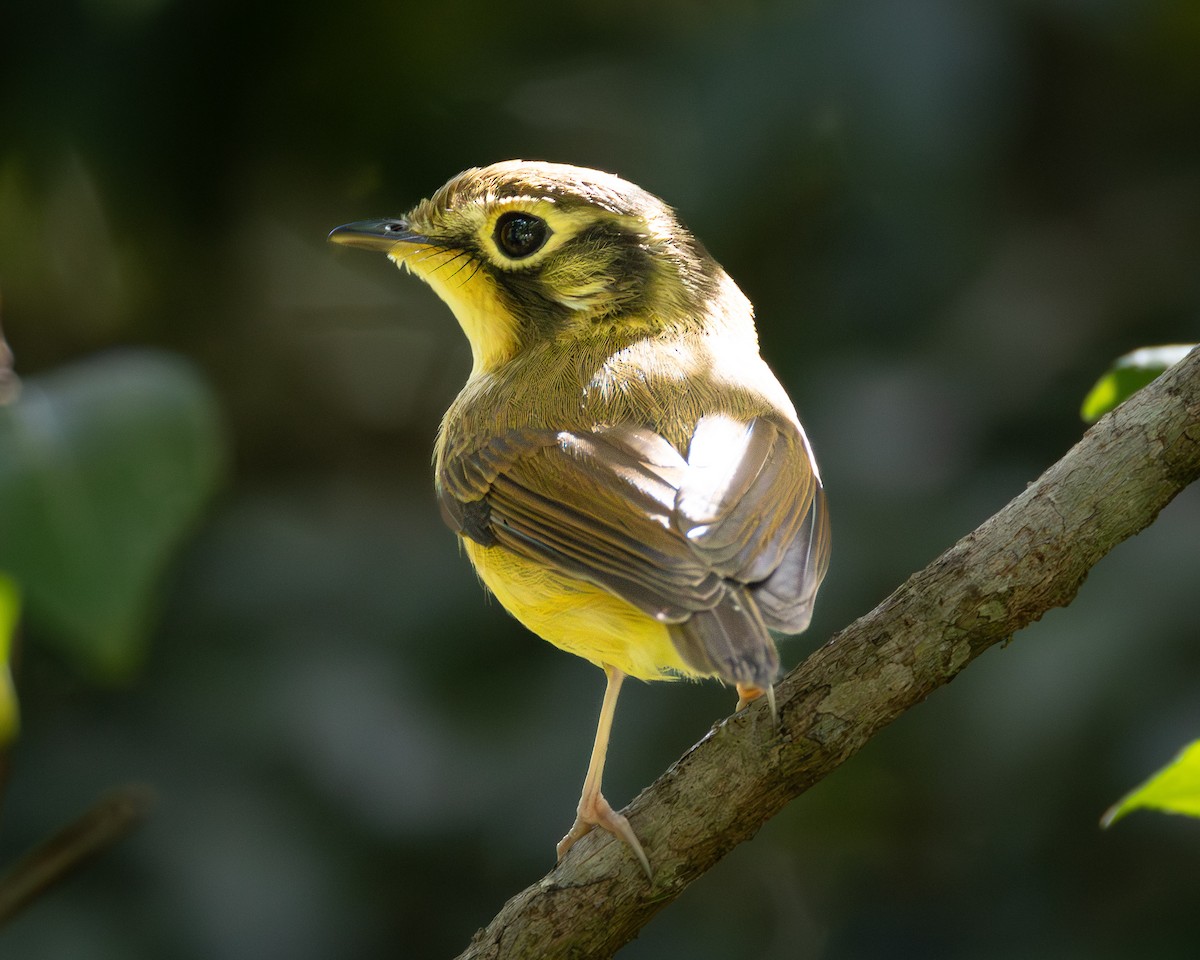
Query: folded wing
point(719, 546)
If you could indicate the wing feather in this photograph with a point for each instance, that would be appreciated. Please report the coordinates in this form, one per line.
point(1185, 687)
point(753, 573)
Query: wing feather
point(722, 545)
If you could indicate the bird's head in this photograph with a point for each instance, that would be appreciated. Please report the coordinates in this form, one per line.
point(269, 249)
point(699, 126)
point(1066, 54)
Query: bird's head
point(527, 252)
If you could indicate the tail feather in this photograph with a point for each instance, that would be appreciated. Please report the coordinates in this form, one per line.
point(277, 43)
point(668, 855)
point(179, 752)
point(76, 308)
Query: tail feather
point(731, 640)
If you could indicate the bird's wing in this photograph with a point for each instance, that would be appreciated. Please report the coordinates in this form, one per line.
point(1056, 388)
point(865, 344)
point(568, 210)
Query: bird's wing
point(719, 545)
point(753, 506)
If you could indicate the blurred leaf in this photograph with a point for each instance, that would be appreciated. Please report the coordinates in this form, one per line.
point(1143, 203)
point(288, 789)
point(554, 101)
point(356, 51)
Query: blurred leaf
point(1175, 789)
point(1128, 375)
point(10, 608)
point(103, 466)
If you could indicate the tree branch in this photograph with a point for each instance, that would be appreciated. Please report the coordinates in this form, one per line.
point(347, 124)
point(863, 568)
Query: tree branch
point(1031, 556)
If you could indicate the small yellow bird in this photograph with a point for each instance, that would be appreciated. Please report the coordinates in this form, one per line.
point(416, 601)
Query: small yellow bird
point(625, 472)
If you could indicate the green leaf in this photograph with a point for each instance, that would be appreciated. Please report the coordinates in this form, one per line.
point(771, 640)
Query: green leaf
point(1175, 789)
point(104, 466)
point(10, 609)
point(1128, 375)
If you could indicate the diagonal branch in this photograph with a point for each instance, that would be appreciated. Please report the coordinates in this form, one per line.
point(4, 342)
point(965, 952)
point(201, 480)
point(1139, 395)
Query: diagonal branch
point(1031, 556)
point(109, 820)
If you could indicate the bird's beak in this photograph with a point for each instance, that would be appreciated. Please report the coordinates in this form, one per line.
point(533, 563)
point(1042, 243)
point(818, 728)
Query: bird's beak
point(381, 235)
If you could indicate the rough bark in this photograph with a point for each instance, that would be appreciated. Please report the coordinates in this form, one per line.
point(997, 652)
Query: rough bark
point(1028, 558)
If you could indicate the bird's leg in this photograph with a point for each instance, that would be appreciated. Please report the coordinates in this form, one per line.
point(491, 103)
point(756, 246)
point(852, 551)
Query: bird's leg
point(594, 810)
point(748, 693)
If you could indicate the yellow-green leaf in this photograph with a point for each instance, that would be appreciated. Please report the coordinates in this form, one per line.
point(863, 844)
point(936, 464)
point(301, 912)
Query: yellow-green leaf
point(1128, 375)
point(1174, 789)
point(10, 608)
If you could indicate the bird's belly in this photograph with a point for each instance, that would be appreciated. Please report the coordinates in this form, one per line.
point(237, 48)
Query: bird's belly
point(578, 617)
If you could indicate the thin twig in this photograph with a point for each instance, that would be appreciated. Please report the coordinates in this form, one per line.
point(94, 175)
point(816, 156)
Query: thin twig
point(52, 861)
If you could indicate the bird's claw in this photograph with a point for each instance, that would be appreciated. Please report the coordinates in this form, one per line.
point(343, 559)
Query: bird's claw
point(599, 813)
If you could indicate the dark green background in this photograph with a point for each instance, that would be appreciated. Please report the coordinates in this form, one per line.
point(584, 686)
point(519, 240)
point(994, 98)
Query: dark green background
point(950, 215)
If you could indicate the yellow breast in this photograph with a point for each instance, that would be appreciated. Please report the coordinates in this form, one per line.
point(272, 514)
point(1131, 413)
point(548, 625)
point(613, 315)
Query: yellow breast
point(578, 617)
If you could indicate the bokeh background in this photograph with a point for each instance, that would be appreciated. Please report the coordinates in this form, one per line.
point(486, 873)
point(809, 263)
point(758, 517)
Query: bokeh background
point(950, 216)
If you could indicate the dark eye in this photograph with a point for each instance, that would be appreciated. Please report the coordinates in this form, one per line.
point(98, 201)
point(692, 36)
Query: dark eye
point(520, 234)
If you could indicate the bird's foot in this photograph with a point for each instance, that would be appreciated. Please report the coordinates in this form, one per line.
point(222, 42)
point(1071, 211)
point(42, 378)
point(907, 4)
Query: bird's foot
point(748, 693)
point(596, 812)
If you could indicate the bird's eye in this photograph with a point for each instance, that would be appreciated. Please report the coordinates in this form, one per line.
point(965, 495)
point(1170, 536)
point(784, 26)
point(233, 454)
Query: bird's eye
point(520, 234)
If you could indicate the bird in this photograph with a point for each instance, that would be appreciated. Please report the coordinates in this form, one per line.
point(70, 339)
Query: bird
point(625, 472)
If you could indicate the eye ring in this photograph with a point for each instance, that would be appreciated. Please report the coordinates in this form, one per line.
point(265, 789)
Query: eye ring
point(519, 234)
